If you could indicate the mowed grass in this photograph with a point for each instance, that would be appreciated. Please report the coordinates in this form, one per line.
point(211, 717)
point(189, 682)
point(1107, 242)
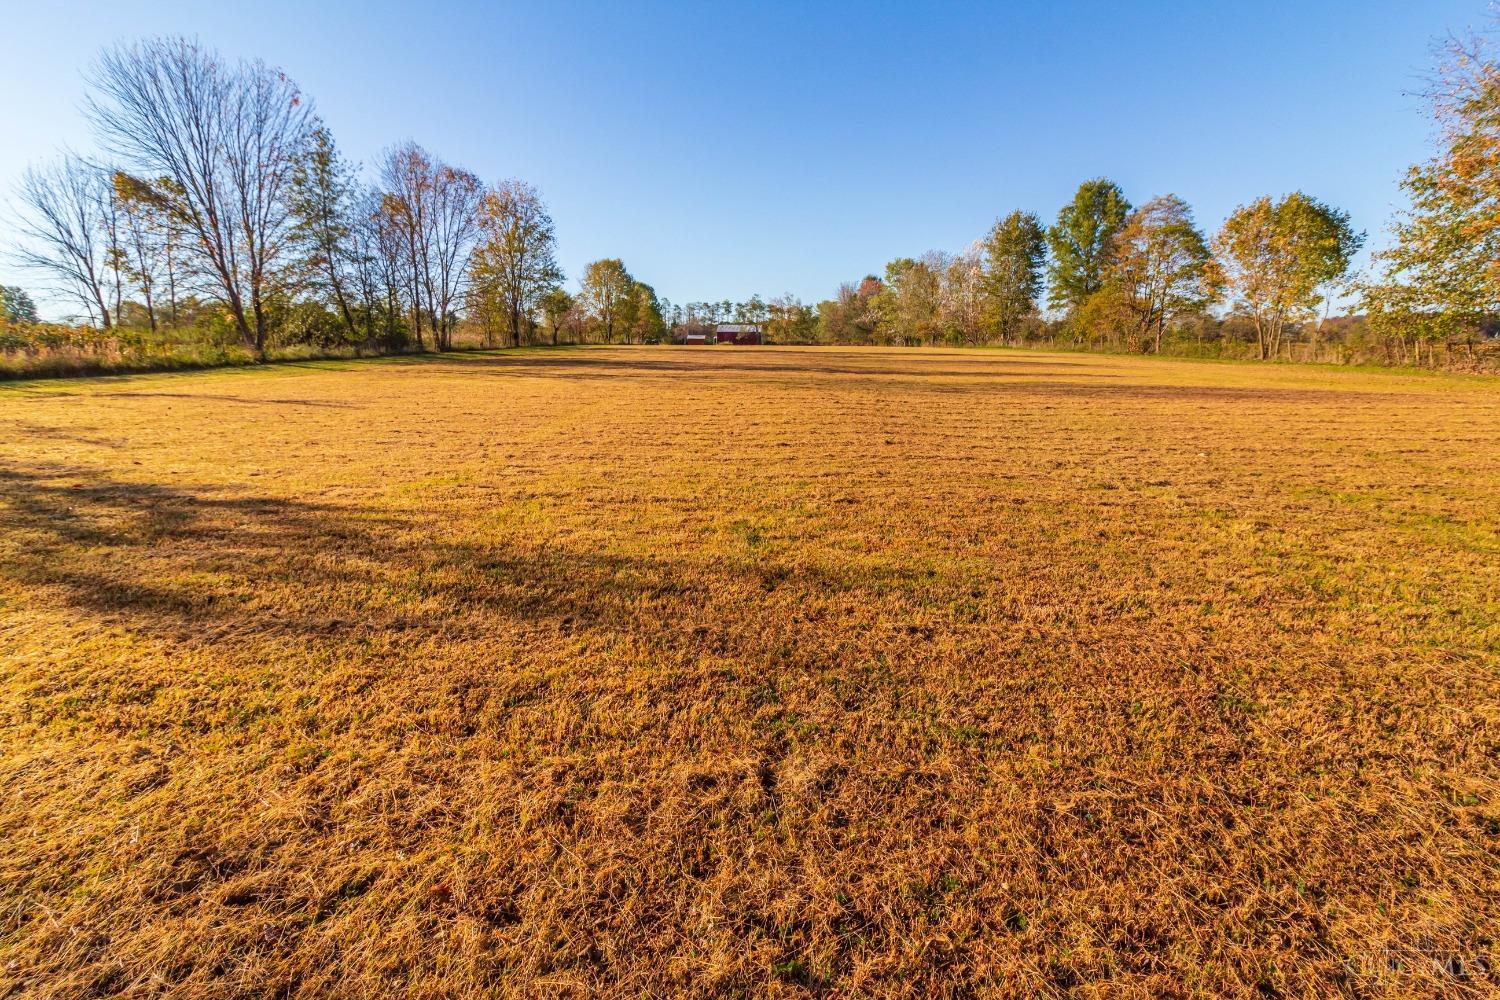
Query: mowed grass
point(751, 672)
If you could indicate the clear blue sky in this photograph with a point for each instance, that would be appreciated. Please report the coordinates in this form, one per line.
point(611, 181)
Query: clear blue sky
point(727, 149)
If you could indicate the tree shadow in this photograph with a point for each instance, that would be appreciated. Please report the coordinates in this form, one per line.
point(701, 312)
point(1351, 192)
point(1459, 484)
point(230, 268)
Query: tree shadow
point(195, 565)
point(80, 435)
point(990, 376)
point(820, 365)
point(249, 401)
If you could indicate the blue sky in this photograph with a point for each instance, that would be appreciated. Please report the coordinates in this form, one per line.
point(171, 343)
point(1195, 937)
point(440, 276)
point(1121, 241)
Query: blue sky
point(723, 149)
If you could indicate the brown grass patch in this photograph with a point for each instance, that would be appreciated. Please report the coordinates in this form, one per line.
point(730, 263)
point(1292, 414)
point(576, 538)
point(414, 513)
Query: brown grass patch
point(638, 672)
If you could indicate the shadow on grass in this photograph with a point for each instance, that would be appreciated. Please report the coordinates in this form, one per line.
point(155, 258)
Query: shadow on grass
point(746, 366)
point(1063, 379)
point(250, 401)
point(199, 566)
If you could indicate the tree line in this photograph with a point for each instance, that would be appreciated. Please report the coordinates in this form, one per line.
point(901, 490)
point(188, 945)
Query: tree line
point(1106, 273)
point(220, 201)
point(220, 207)
point(1109, 273)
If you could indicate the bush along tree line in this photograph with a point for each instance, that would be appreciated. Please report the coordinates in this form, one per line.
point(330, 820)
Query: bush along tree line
point(219, 221)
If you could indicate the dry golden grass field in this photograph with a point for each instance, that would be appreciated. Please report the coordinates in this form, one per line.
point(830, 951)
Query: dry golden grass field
point(751, 672)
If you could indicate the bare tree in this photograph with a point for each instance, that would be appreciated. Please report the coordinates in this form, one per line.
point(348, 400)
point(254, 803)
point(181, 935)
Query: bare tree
point(434, 208)
point(383, 238)
point(576, 321)
point(963, 294)
point(455, 227)
point(362, 257)
point(63, 222)
point(227, 135)
point(406, 174)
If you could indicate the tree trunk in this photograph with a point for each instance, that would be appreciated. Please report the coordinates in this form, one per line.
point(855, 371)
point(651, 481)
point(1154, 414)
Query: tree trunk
point(103, 309)
point(416, 310)
point(241, 324)
point(338, 294)
point(171, 285)
point(260, 325)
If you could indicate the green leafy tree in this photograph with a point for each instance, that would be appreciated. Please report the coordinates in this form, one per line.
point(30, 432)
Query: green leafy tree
point(16, 306)
point(1011, 280)
point(1436, 282)
point(323, 197)
point(789, 321)
point(752, 310)
point(606, 289)
point(640, 314)
point(1280, 259)
point(556, 305)
point(909, 306)
point(134, 237)
point(1083, 240)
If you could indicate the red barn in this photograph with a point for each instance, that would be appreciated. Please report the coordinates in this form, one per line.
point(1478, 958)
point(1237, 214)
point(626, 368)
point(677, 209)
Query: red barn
point(739, 333)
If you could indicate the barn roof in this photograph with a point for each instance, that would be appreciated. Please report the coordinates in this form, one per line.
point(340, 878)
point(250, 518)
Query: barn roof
point(737, 328)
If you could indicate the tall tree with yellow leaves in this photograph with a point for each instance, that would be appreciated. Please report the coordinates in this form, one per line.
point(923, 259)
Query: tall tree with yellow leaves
point(1280, 259)
point(515, 260)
